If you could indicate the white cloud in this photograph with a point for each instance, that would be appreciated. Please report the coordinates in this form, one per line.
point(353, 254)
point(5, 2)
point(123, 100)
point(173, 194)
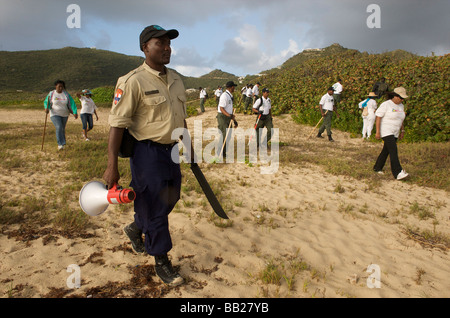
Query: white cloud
point(251, 51)
point(291, 50)
point(283, 56)
point(189, 62)
point(189, 70)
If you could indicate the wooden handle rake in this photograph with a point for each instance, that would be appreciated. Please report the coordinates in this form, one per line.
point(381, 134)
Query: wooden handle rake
point(43, 135)
point(310, 134)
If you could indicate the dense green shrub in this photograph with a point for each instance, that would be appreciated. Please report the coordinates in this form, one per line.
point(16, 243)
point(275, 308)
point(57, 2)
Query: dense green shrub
point(298, 90)
point(103, 94)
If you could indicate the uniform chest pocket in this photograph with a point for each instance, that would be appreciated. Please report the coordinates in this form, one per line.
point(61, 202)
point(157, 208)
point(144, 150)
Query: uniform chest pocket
point(155, 108)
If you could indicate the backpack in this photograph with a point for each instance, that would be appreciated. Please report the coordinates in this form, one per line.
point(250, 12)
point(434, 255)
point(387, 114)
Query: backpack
point(364, 107)
point(261, 103)
point(365, 111)
point(382, 88)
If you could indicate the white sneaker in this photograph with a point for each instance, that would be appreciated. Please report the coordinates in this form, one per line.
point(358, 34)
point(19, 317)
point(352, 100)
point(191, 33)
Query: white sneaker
point(60, 147)
point(402, 175)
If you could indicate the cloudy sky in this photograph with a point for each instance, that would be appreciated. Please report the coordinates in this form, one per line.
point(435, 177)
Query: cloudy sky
point(237, 36)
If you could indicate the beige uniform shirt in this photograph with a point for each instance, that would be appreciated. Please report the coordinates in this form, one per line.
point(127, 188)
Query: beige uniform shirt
point(151, 106)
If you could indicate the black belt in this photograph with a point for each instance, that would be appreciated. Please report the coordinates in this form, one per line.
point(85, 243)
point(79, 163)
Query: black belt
point(264, 117)
point(157, 144)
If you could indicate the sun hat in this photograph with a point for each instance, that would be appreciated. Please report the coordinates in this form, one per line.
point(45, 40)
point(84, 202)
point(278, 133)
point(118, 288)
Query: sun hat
point(401, 91)
point(155, 31)
point(372, 94)
point(230, 84)
point(86, 92)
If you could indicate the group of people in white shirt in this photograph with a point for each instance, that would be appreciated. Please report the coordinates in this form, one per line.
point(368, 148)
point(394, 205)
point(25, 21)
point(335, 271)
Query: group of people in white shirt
point(261, 106)
point(388, 119)
point(250, 93)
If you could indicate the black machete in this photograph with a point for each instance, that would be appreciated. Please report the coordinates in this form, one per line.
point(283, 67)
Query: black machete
point(208, 191)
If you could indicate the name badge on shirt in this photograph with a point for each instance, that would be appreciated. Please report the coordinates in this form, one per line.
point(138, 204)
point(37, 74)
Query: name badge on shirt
point(151, 92)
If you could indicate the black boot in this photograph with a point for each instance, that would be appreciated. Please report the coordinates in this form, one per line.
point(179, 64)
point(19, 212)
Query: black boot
point(135, 236)
point(166, 272)
point(319, 135)
point(329, 138)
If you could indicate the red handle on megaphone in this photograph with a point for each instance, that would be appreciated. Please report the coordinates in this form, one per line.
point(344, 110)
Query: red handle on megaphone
point(117, 195)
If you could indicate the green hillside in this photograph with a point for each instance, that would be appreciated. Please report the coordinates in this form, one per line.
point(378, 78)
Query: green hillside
point(78, 67)
point(298, 85)
point(210, 80)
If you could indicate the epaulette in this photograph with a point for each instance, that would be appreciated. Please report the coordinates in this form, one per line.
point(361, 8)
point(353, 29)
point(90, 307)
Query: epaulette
point(131, 73)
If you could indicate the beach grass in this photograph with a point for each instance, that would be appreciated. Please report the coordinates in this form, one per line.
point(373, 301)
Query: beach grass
point(426, 162)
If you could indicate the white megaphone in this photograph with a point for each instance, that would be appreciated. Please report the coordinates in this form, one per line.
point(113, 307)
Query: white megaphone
point(95, 197)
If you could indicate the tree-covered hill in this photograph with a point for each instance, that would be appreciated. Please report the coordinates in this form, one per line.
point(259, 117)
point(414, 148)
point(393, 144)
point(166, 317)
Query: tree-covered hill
point(36, 71)
point(211, 80)
point(78, 67)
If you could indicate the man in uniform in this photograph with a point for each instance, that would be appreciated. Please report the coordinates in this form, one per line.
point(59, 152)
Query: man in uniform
point(326, 106)
point(263, 108)
point(203, 95)
point(338, 88)
point(255, 92)
point(217, 93)
point(380, 88)
point(248, 97)
point(150, 102)
point(225, 112)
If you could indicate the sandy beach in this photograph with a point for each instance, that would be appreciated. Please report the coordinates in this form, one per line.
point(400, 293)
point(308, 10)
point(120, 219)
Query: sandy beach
point(322, 242)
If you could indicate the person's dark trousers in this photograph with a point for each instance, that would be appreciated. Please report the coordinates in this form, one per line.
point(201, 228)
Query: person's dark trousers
point(326, 123)
point(223, 122)
point(337, 99)
point(248, 101)
point(156, 179)
point(87, 121)
point(389, 149)
point(202, 105)
point(264, 121)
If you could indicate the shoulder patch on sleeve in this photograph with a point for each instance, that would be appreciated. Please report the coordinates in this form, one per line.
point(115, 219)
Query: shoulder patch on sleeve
point(118, 96)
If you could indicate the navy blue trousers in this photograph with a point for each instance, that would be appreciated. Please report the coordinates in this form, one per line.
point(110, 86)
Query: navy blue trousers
point(156, 179)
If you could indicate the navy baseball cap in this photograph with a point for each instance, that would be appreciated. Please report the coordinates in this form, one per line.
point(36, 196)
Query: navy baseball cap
point(155, 31)
point(230, 84)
